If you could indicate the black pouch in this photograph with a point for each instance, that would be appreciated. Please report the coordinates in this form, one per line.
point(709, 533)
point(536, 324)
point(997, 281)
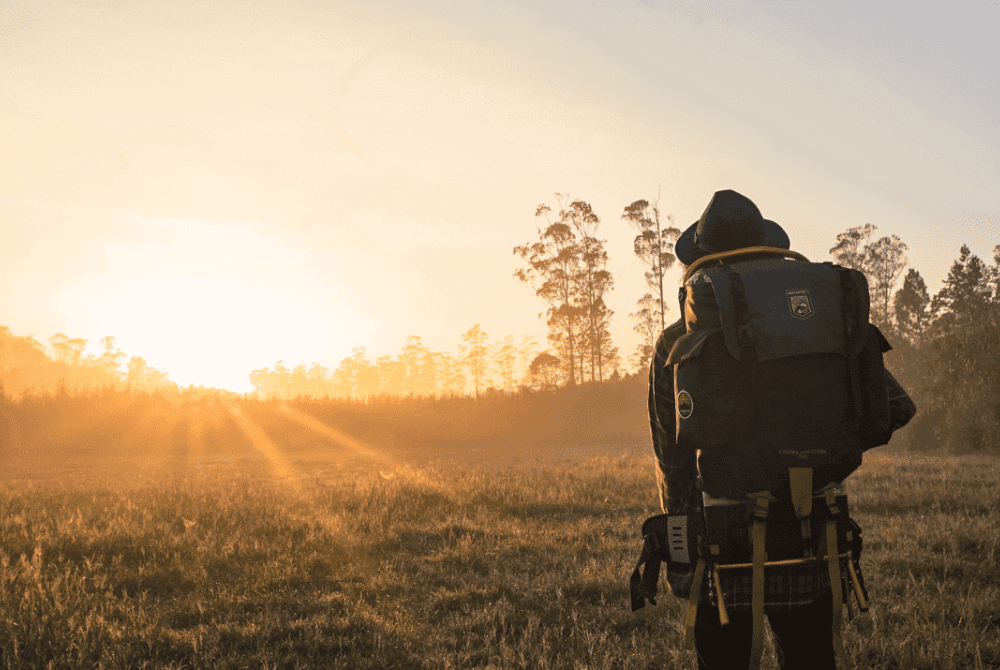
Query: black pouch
point(666, 538)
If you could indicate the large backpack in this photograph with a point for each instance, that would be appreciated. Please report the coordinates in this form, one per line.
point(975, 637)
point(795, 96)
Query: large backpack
point(779, 368)
point(779, 389)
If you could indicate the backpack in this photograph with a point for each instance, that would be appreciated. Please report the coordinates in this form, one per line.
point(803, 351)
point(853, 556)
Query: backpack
point(779, 388)
point(779, 368)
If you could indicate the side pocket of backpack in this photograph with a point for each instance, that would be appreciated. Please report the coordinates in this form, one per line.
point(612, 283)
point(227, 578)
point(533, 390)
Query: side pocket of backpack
point(876, 423)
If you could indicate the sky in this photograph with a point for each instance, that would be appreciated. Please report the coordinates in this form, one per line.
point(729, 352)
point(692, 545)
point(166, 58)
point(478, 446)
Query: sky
point(222, 185)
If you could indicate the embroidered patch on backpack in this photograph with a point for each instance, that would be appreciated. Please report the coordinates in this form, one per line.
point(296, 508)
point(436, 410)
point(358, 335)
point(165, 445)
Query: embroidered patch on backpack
point(685, 404)
point(799, 303)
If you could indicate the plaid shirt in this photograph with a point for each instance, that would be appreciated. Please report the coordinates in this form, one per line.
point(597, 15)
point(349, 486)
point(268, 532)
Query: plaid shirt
point(786, 587)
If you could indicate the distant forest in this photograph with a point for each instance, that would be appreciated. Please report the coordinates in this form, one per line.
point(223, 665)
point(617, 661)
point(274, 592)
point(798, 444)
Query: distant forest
point(946, 344)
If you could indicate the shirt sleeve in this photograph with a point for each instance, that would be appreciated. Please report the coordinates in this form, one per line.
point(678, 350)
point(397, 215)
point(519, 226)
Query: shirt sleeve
point(677, 470)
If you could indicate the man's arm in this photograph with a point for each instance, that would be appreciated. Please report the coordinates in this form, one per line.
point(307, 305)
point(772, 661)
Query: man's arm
point(676, 471)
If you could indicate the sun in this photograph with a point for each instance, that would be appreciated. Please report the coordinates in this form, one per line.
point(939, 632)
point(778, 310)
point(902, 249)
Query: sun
point(209, 303)
point(208, 331)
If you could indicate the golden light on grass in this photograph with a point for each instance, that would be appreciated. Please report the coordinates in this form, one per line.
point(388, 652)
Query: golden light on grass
point(259, 439)
point(378, 458)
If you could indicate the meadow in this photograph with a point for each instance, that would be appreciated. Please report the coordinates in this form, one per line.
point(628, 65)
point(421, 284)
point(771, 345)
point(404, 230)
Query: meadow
point(259, 536)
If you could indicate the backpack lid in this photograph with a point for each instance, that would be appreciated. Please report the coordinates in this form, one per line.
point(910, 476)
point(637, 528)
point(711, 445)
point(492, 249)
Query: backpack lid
point(794, 308)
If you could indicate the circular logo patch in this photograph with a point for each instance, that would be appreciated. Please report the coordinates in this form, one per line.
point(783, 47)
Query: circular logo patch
point(685, 405)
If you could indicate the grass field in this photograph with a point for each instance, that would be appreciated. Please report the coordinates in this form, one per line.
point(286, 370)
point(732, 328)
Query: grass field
point(282, 543)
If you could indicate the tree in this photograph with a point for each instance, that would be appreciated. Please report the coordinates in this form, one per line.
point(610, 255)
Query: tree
point(961, 358)
point(67, 350)
point(966, 293)
point(649, 327)
point(913, 307)
point(654, 245)
point(851, 249)
point(110, 361)
point(567, 267)
point(882, 263)
point(594, 282)
point(452, 377)
point(544, 370)
point(474, 355)
point(142, 377)
point(391, 375)
point(886, 263)
point(553, 266)
point(506, 363)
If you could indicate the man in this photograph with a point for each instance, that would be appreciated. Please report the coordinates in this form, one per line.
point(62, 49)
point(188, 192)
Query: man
point(802, 621)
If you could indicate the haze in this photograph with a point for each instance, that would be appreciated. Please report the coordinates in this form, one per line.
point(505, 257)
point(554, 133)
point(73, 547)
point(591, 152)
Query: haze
point(223, 185)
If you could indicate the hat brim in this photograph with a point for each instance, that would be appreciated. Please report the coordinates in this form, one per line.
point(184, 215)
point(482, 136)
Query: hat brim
point(687, 251)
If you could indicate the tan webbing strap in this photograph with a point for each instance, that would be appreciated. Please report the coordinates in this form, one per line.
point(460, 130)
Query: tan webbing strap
point(759, 533)
point(836, 587)
point(723, 614)
point(728, 256)
point(800, 480)
point(692, 610)
point(859, 592)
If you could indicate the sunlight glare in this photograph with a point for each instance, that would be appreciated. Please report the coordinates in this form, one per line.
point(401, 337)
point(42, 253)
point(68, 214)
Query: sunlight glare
point(204, 331)
point(209, 302)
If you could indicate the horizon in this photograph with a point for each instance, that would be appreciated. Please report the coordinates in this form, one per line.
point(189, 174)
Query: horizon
point(222, 187)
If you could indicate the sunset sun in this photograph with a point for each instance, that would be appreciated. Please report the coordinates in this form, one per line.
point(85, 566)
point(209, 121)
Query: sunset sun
point(208, 302)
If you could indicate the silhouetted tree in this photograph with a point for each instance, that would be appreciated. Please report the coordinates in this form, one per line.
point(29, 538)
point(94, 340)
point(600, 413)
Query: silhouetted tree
point(654, 245)
point(505, 363)
point(567, 267)
point(967, 291)
point(553, 270)
point(475, 354)
point(545, 370)
point(851, 249)
point(913, 308)
point(961, 356)
point(882, 262)
point(594, 282)
point(648, 324)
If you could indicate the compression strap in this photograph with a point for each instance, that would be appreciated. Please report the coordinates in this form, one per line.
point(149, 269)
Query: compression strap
point(833, 561)
point(758, 557)
point(692, 609)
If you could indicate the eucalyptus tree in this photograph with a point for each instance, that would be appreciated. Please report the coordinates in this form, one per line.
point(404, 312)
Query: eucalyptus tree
point(475, 355)
point(654, 246)
point(567, 268)
point(594, 282)
point(881, 261)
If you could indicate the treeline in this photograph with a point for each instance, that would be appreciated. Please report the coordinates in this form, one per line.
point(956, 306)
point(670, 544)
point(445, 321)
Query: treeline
point(946, 344)
point(26, 367)
point(479, 366)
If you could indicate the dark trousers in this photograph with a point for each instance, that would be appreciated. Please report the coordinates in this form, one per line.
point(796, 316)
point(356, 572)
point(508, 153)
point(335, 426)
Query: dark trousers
point(803, 638)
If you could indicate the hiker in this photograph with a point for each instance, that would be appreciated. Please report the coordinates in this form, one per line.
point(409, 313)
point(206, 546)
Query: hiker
point(712, 386)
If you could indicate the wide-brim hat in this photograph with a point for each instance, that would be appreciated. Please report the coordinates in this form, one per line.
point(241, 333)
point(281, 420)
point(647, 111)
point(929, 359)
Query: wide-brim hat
point(731, 221)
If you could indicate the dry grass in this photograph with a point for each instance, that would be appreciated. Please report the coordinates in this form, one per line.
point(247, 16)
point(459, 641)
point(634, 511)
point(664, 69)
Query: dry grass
point(362, 565)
